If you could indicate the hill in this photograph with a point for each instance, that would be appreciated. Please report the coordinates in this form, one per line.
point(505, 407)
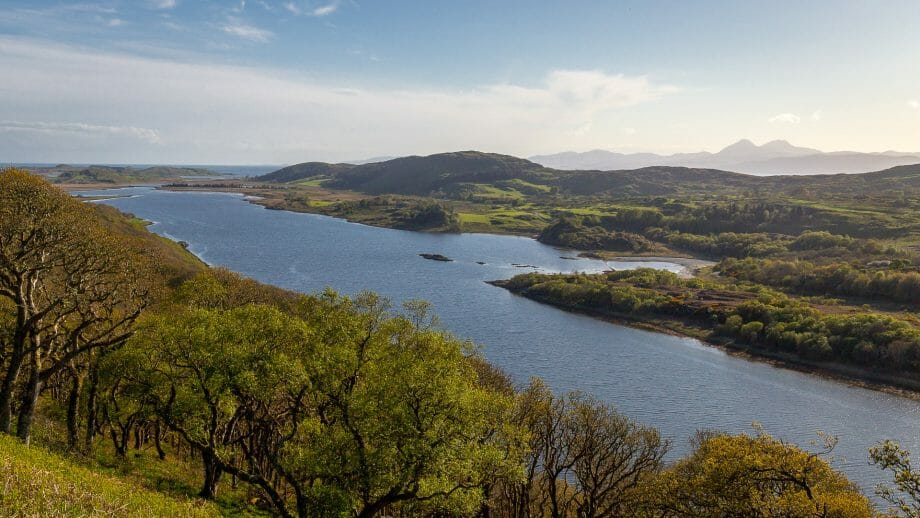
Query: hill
point(416, 175)
point(470, 173)
point(773, 158)
point(69, 174)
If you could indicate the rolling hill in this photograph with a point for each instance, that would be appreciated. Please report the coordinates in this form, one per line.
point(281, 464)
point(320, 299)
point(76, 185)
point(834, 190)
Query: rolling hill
point(77, 174)
point(451, 174)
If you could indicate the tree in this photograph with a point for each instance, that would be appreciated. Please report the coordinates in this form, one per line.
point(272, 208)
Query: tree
point(330, 406)
point(585, 459)
point(756, 476)
point(202, 371)
point(905, 495)
point(401, 419)
point(75, 287)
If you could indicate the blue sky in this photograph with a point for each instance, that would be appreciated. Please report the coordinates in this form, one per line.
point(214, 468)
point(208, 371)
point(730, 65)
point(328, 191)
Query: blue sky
point(286, 81)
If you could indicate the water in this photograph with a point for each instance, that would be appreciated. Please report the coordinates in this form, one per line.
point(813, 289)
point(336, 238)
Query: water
point(676, 384)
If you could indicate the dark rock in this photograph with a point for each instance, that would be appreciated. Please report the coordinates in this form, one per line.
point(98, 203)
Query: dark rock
point(436, 257)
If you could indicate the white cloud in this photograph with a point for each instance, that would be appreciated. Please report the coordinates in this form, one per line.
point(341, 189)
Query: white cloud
point(913, 103)
point(115, 22)
point(327, 9)
point(817, 115)
point(243, 30)
point(785, 118)
point(318, 11)
point(163, 4)
point(80, 128)
point(219, 113)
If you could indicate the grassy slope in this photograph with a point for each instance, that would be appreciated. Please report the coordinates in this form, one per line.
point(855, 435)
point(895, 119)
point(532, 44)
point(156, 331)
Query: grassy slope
point(34, 482)
point(172, 258)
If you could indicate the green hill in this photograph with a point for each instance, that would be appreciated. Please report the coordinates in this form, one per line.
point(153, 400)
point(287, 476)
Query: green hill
point(417, 175)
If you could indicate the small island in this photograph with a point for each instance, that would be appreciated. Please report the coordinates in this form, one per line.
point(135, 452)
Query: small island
point(436, 257)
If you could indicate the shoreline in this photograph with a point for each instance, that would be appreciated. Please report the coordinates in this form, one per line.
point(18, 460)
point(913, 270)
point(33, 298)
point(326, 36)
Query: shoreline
point(891, 385)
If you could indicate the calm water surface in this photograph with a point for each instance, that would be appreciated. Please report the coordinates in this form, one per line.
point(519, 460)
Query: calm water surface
point(676, 384)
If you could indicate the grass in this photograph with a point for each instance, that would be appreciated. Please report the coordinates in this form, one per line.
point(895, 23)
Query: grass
point(469, 217)
point(487, 191)
point(313, 181)
point(35, 482)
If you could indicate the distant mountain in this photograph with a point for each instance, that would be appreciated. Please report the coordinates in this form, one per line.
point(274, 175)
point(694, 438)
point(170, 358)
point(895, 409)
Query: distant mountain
point(773, 158)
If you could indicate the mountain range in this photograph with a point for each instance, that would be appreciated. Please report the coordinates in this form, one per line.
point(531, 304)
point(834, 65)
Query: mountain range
point(777, 157)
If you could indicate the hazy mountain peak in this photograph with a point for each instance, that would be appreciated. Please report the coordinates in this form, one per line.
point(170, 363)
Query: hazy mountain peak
point(774, 157)
point(742, 146)
point(778, 143)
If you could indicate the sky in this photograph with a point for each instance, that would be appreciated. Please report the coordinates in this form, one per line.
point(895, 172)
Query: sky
point(286, 81)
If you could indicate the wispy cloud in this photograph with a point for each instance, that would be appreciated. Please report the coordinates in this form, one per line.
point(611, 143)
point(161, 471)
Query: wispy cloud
point(913, 103)
point(817, 115)
point(145, 134)
point(213, 112)
point(299, 8)
point(245, 31)
point(325, 10)
point(115, 22)
point(785, 118)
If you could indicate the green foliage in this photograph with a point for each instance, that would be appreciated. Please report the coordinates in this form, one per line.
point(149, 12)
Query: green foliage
point(573, 232)
point(764, 319)
point(756, 476)
point(834, 279)
point(905, 494)
point(393, 212)
point(331, 406)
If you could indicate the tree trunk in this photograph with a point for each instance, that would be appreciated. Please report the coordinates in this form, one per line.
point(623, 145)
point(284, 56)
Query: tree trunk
point(73, 409)
point(91, 410)
point(7, 387)
point(157, 432)
point(29, 399)
point(212, 473)
point(120, 449)
point(485, 509)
